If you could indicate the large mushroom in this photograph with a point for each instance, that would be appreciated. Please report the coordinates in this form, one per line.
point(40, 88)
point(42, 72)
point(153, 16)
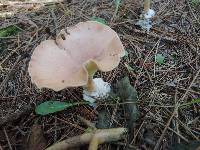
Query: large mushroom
point(73, 58)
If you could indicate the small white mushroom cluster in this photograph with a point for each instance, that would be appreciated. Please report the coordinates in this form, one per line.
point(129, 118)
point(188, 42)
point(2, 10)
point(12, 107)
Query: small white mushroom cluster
point(73, 58)
point(145, 21)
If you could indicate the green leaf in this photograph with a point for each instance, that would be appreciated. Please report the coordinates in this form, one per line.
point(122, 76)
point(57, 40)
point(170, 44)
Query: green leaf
point(49, 107)
point(174, 55)
point(100, 20)
point(9, 31)
point(195, 2)
point(126, 53)
point(117, 3)
point(160, 59)
point(194, 101)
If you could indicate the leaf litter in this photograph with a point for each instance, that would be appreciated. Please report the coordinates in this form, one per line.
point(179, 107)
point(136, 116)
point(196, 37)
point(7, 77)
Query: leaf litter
point(175, 33)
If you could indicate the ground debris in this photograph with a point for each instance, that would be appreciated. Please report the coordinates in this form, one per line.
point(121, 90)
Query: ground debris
point(24, 110)
point(159, 87)
point(36, 139)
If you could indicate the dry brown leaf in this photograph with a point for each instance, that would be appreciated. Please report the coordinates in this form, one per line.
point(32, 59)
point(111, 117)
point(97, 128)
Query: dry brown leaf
point(36, 139)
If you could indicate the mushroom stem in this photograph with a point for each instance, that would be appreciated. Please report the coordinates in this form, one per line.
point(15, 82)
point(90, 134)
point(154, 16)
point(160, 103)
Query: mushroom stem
point(90, 85)
point(91, 69)
point(147, 5)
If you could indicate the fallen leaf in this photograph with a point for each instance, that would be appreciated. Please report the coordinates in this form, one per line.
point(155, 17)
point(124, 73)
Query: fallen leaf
point(36, 140)
point(103, 120)
point(160, 59)
point(49, 107)
point(128, 94)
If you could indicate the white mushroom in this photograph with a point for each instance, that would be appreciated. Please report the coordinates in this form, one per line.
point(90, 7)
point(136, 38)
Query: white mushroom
point(145, 18)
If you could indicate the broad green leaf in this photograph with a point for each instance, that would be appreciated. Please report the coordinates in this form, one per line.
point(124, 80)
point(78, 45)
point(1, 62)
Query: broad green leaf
point(160, 59)
point(49, 107)
point(9, 31)
point(98, 19)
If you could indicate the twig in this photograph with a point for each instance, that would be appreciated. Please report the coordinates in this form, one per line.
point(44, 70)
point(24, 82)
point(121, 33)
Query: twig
point(176, 122)
point(72, 142)
point(88, 123)
point(147, 57)
point(183, 138)
point(69, 123)
point(188, 89)
point(187, 129)
point(113, 115)
point(167, 38)
point(195, 17)
point(7, 138)
point(175, 111)
point(128, 145)
point(55, 132)
point(11, 3)
point(179, 135)
point(54, 20)
point(135, 136)
point(101, 136)
point(15, 50)
point(1, 147)
point(16, 115)
point(9, 74)
point(115, 12)
point(94, 138)
point(165, 129)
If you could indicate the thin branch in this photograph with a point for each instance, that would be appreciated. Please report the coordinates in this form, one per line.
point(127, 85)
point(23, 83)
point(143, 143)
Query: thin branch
point(7, 138)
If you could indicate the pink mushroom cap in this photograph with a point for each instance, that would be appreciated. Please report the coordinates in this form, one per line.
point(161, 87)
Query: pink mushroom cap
point(60, 63)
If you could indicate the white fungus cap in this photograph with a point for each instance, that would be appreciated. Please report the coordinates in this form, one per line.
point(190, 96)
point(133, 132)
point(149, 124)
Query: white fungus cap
point(149, 14)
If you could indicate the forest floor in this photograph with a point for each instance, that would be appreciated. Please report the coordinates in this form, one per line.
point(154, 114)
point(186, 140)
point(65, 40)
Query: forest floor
point(168, 91)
